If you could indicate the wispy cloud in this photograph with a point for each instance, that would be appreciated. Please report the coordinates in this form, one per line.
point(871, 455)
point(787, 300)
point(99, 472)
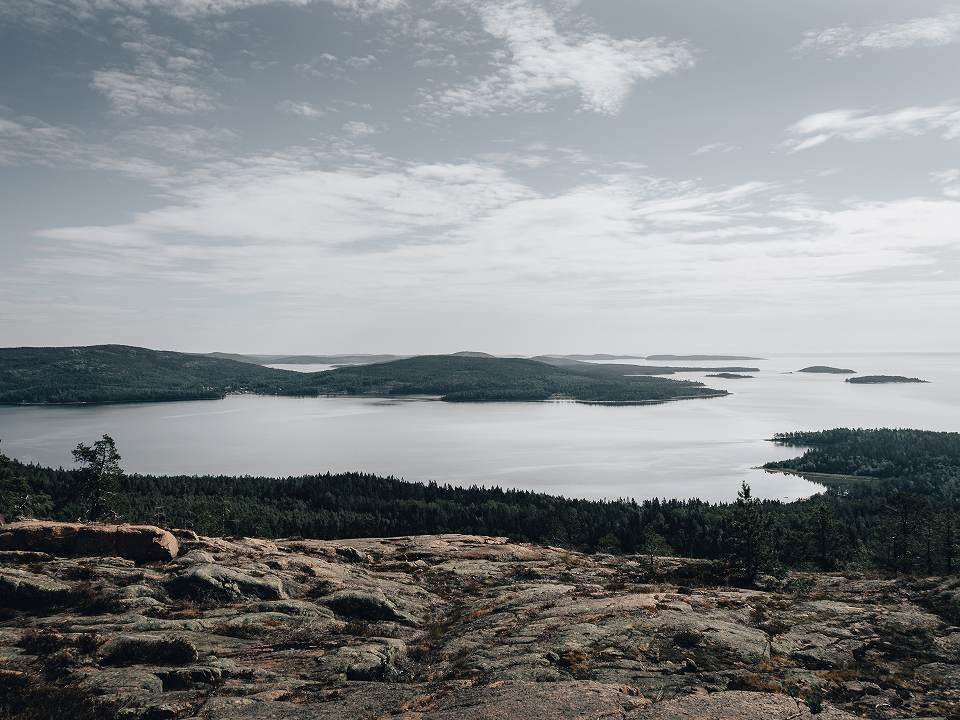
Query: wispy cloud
point(720, 147)
point(542, 62)
point(844, 40)
point(166, 78)
point(328, 65)
point(357, 128)
point(949, 180)
point(183, 141)
point(131, 93)
point(50, 14)
point(303, 109)
point(862, 125)
point(28, 141)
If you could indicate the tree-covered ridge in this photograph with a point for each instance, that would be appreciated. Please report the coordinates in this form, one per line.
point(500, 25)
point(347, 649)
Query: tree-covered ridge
point(910, 456)
point(622, 369)
point(906, 519)
point(469, 378)
point(349, 359)
point(121, 373)
point(118, 373)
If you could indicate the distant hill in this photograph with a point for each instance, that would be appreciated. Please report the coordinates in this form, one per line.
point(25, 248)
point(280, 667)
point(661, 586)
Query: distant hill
point(252, 359)
point(119, 373)
point(598, 356)
point(355, 359)
point(699, 358)
point(473, 354)
point(883, 379)
point(826, 369)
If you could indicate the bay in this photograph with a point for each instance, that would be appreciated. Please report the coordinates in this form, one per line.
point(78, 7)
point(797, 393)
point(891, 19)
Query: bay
point(694, 448)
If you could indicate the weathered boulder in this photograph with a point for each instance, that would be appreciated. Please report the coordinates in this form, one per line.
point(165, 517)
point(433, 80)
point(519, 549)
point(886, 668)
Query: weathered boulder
point(190, 677)
point(148, 650)
point(351, 554)
point(23, 557)
point(141, 543)
point(22, 589)
point(374, 660)
point(363, 605)
point(122, 682)
point(211, 582)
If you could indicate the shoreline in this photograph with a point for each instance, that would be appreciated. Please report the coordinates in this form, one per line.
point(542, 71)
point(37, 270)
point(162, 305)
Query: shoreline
point(816, 477)
point(378, 396)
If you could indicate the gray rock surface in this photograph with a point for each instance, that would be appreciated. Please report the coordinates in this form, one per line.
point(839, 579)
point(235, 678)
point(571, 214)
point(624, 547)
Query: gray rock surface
point(24, 589)
point(456, 627)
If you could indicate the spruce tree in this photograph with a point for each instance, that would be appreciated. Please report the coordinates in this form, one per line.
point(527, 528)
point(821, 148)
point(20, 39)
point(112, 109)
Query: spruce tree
point(749, 546)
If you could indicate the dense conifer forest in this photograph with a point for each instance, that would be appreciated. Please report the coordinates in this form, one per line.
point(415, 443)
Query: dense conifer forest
point(893, 504)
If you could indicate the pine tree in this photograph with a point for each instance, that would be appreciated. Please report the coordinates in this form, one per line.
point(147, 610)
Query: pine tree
point(98, 477)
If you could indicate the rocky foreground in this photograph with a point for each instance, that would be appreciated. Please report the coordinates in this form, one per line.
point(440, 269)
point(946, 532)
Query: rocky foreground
point(449, 627)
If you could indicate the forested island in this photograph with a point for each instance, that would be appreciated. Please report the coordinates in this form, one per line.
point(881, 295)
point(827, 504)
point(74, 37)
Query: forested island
point(883, 379)
point(119, 373)
point(891, 501)
point(827, 370)
point(730, 376)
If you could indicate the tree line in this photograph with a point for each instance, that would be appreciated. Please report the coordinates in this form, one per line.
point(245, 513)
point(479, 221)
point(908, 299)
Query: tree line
point(894, 505)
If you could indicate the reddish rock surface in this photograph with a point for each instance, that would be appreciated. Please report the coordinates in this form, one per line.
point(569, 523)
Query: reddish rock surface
point(140, 543)
point(458, 627)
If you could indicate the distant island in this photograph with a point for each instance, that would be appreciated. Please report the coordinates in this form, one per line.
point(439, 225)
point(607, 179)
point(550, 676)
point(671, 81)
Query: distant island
point(620, 369)
point(700, 358)
point(827, 370)
point(596, 356)
point(730, 376)
point(883, 379)
point(120, 373)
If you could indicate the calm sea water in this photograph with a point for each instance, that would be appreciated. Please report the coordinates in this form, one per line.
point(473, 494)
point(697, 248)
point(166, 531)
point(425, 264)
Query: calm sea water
point(693, 448)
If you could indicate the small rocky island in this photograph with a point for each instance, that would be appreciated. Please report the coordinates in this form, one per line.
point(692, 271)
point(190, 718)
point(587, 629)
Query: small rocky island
point(827, 370)
point(883, 379)
point(137, 622)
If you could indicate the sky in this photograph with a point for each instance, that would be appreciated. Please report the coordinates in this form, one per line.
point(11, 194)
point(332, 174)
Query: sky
point(514, 176)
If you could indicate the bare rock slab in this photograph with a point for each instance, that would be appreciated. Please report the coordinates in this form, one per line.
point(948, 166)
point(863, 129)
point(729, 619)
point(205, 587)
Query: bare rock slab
point(140, 543)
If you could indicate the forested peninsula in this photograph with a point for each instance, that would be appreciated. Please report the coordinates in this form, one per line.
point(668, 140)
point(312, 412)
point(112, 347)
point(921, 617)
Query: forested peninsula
point(119, 373)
